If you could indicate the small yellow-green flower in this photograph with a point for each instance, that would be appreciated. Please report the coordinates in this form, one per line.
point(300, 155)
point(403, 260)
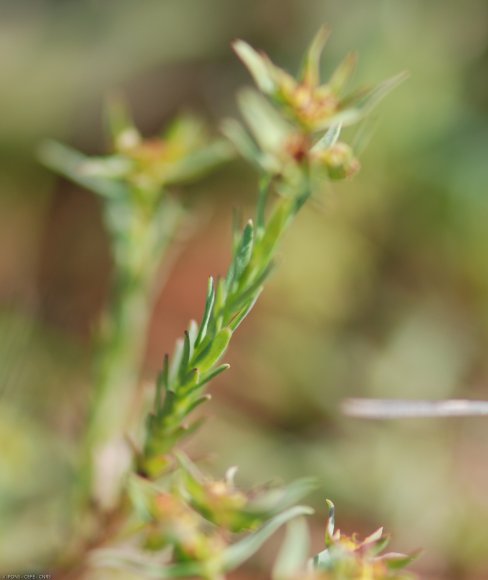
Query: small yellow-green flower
point(350, 558)
point(182, 153)
point(222, 503)
point(308, 103)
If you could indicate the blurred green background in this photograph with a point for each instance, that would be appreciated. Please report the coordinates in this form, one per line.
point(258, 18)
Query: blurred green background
point(381, 289)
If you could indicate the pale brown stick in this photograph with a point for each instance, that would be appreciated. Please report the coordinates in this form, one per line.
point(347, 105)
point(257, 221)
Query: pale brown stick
point(412, 409)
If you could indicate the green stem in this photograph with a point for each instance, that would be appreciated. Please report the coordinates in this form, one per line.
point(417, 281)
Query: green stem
point(138, 254)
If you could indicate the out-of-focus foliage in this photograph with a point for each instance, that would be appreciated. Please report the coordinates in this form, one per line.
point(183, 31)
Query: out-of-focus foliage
point(383, 294)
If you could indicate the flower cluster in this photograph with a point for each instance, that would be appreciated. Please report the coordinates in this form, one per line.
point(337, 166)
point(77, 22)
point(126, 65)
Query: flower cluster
point(223, 504)
point(183, 153)
point(350, 558)
point(288, 128)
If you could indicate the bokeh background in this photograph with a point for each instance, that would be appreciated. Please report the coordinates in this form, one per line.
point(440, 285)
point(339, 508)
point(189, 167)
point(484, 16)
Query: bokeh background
point(381, 289)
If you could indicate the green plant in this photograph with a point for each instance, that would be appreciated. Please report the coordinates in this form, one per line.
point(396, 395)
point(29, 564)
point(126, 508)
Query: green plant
point(162, 517)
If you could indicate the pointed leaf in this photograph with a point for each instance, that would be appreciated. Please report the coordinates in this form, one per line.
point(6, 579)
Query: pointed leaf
point(206, 360)
point(249, 295)
point(197, 403)
point(256, 64)
point(70, 163)
point(162, 382)
point(329, 532)
point(395, 561)
point(359, 104)
point(242, 256)
point(343, 72)
point(311, 68)
point(241, 551)
point(240, 316)
point(185, 358)
point(282, 498)
point(242, 141)
point(197, 164)
point(210, 376)
point(176, 359)
point(209, 304)
point(329, 139)
point(120, 124)
point(294, 551)
point(267, 126)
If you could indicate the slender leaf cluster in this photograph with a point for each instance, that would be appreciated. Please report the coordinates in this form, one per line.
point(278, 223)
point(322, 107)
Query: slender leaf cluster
point(196, 360)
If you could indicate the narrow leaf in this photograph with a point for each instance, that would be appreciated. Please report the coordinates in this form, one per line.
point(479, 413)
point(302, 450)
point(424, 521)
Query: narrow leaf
point(242, 256)
point(311, 68)
point(241, 140)
point(209, 304)
point(241, 551)
point(216, 349)
point(329, 139)
point(264, 187)
point(72, 164)
point(120, 124)
point(197, 403)
point(329, 531)
point(192, 334)
point(210, 376)
point(162, 382)
point(343, 72)
point(185, 358)
point(276, 225)
point(355, 107)
point(284, 497)
point(176, 359)
point(236, 321)
point(294, 551)
point(396, 561)
point(256, 64)
point(197, 164)
point(248, 295)
point(267, 126)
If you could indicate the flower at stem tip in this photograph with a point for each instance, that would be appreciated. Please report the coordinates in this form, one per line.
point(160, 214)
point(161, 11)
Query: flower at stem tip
point(295, 123)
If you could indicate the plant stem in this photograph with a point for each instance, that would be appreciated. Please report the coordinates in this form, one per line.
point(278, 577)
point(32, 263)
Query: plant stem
point(138, 254)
